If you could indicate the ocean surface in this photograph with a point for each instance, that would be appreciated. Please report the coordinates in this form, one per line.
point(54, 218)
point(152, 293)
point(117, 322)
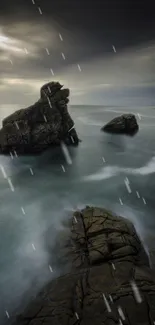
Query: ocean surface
point(37, 194)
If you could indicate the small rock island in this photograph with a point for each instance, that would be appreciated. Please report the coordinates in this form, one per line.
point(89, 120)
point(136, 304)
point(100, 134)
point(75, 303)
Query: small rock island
point(36, 128)
point(125, 124)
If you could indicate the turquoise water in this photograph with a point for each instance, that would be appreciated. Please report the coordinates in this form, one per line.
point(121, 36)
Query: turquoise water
point(43, 190)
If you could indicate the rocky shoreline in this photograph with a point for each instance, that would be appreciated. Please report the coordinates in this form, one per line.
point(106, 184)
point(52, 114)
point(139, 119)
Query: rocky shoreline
point(109, 280)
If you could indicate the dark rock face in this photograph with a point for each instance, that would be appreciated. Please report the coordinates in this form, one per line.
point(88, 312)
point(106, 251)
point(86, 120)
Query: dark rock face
point(124, 124)
point(110, 280)
point(47, 122)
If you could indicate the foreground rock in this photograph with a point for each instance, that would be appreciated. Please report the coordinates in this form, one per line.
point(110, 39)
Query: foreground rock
point(124, 124)
point(46, 123)
point(110, 280)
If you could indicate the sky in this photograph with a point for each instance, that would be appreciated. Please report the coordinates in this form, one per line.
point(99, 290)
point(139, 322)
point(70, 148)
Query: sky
point(103, 50)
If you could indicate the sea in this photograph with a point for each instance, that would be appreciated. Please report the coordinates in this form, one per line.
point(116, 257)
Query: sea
point(39, 193)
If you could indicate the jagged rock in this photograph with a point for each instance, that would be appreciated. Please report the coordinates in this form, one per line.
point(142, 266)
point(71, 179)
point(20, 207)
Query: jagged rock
point(110, 280)
point(46, 123)
point(124, 124)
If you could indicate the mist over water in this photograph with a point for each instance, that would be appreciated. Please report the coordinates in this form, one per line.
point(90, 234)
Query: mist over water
point(112, 171)
point(34, 215)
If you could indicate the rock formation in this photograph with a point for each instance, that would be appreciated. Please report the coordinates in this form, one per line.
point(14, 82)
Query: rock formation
point(46, 123)
point(124, 124)
point(110, 280)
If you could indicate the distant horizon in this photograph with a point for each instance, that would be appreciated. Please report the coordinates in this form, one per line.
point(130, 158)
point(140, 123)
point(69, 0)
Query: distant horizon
point(73, 105)
point(109, 105)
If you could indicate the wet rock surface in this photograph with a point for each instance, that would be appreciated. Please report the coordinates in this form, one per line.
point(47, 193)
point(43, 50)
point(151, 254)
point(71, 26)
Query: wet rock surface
point(110, 281)
point(124, 124)
point(36, 128)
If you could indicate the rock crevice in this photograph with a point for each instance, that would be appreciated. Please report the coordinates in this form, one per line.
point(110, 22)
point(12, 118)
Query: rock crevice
point(106, 284)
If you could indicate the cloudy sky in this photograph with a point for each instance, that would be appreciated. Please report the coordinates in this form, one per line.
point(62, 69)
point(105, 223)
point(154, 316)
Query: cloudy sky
point(103, 50)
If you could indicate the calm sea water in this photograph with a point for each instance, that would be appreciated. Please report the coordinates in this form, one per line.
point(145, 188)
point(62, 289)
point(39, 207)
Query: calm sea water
point(115, 172)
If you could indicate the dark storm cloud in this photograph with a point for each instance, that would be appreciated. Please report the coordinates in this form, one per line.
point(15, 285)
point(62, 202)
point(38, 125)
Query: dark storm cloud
point(125, 22)
point(89, 29)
